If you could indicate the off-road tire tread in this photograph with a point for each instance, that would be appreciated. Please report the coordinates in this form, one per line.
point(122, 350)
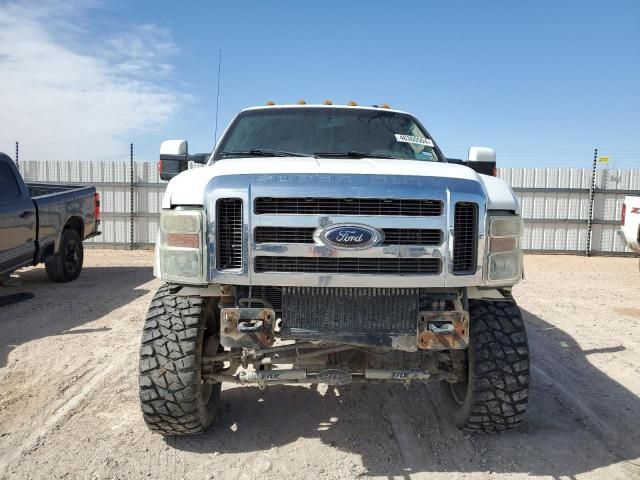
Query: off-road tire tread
point(170, 365)
point(52, 267)
point(501, 367)
point(499, 364)
point(54, 264)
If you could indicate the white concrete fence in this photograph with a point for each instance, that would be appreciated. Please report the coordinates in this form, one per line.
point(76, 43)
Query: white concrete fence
point(555, 202)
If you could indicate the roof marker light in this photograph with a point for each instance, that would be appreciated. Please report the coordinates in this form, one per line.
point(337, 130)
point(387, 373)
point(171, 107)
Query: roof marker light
point(301, 102)
point(327, 102)
point(385, 105)
point(270, 103)
point(352, 104)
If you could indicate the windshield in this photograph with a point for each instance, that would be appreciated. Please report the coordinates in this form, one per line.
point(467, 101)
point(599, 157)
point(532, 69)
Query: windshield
point(327, 132)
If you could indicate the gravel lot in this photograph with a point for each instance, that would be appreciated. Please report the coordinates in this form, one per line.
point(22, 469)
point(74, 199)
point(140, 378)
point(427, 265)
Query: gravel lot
point(69, 407)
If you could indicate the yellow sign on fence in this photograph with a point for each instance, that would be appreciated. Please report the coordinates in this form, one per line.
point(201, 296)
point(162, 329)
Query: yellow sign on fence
point(603, 159)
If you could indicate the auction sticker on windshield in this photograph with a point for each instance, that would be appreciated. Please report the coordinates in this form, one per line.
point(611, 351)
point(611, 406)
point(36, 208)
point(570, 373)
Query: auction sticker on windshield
point(413, 139)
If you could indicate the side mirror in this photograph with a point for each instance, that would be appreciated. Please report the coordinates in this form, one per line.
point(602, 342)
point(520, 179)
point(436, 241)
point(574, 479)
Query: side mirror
point(174, 147)
point(175, 158)
point(482, 154)
point(482, 160)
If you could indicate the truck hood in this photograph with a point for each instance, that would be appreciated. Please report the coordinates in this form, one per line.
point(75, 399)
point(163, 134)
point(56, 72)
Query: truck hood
point(189, 187)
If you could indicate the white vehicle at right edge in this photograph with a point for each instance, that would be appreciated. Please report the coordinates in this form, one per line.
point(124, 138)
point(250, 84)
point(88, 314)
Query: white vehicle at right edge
point(631, 222)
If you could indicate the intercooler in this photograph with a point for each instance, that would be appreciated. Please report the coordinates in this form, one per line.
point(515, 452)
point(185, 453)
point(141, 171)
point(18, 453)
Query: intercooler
point(359, 315)
point(340, 310)
point(385, 317)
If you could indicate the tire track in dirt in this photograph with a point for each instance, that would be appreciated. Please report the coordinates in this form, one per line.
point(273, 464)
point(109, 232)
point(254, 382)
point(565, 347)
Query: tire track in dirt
point(403, 431)
point(71, 405)
point(85, 363)
point(422, 431)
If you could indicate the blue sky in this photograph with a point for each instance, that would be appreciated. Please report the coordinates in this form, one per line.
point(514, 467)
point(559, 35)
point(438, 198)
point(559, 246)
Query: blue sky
point(542, 82)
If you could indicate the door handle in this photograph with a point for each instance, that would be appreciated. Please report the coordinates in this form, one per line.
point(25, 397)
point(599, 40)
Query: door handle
point(26, 214)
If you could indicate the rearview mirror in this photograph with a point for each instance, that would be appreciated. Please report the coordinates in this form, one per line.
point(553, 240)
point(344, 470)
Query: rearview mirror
point(175, 158)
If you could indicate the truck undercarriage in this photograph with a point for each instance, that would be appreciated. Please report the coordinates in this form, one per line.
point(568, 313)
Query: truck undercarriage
point(339, 335)
point(192, 344)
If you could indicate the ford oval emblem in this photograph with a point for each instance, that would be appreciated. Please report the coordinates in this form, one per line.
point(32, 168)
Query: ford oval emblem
point(350, 236)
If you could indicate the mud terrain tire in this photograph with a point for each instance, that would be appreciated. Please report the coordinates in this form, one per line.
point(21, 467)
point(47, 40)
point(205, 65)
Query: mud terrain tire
point(494, 397)
point(176, 330)
point(66, 264)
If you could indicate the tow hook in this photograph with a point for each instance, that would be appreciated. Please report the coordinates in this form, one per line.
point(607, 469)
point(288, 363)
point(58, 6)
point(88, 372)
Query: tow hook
point(247, 327)
point(442, 329)
point(250, 327)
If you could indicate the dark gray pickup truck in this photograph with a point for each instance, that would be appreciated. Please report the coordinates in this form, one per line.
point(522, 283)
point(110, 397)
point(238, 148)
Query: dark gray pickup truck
point(44, 223)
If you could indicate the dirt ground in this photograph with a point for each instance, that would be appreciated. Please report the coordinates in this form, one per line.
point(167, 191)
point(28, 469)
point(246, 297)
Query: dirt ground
point(69, 405)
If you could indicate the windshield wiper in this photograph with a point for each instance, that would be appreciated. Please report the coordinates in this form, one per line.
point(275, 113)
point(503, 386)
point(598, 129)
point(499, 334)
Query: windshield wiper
point(264, 152)
point(350, 154)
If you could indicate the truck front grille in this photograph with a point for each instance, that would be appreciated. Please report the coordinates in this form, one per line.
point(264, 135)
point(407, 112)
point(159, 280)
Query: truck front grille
point(229, 233)
point(372, 266)
point(392, 236)
point(465, 238)
point(348, 206)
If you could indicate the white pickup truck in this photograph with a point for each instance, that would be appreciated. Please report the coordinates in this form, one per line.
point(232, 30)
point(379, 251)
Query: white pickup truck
point(336, 245)
point(630, 222)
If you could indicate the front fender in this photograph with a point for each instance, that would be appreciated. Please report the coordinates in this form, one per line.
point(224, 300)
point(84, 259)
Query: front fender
point(500, 195)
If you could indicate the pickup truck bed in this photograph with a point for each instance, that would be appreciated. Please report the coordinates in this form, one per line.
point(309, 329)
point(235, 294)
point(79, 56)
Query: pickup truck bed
point(44, 223)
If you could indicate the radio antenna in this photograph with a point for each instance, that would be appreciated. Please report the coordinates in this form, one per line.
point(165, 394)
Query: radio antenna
point(215, 135)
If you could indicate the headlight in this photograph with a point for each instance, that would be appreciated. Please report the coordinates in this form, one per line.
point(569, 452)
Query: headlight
point(505, 266)
point(504, 261)
point(505, 233)
point(181, 246)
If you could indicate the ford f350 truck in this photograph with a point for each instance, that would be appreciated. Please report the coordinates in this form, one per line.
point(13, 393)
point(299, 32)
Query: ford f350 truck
point(336, 245)
point(42, 222)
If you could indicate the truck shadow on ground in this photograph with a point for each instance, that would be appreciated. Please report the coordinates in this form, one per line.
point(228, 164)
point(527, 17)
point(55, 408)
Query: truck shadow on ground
point(58, 308)
point(580, 419)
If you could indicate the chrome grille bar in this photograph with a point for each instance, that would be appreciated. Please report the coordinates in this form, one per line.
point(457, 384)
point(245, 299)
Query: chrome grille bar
point(389, 266)
point(392, 236)
point(348, 206)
